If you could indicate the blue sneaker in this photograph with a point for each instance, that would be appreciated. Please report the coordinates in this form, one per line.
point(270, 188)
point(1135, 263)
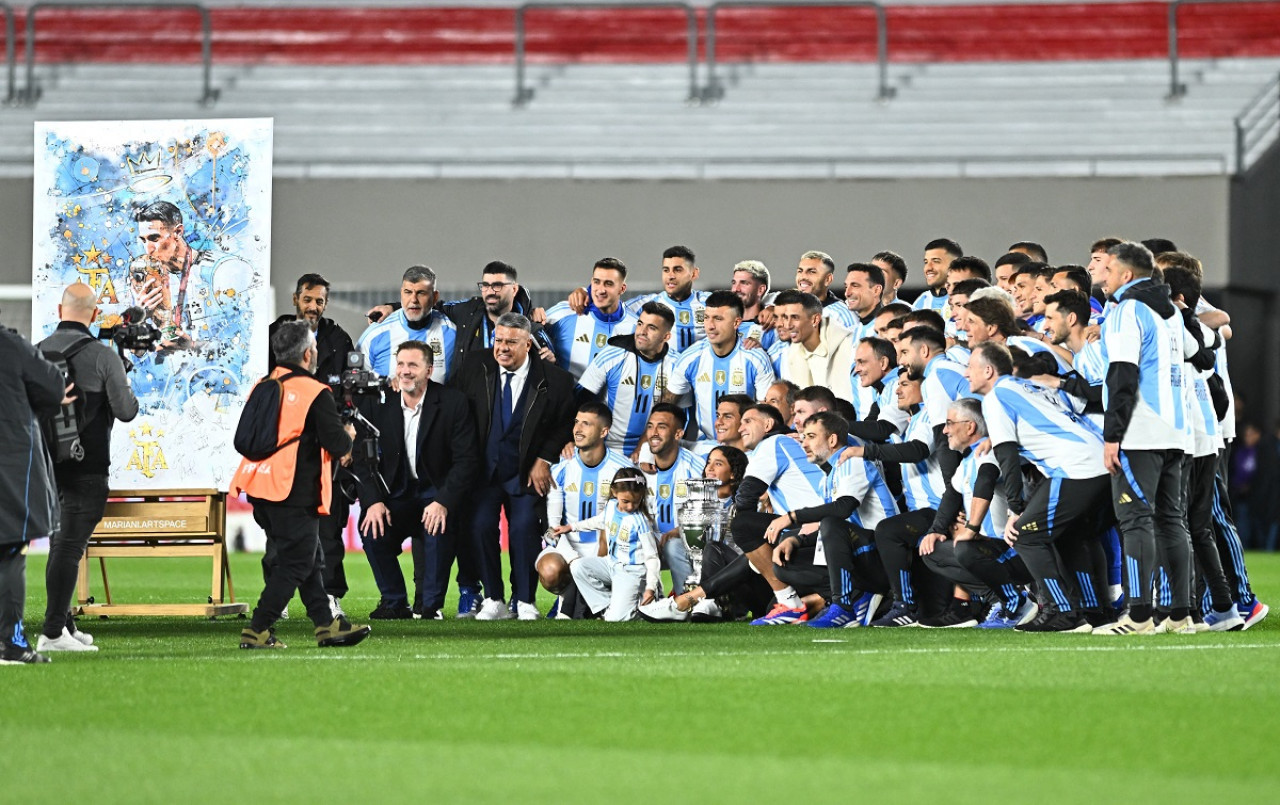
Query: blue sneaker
point(469, 599)
point(900, 614)
point(1001, 618)
point(1229, 621)
point(781, 615)
point(864, 609)
point(1253, 613)
point(834, 617)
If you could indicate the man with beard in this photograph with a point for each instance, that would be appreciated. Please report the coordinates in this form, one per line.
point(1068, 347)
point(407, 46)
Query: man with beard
point(310, 298)
point(578, 337)
point(938, 255)
point(751, 283)
point(416, 320)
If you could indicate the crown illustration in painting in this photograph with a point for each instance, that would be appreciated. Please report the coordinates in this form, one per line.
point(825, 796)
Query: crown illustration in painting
point(143, 164)
point(144, 172)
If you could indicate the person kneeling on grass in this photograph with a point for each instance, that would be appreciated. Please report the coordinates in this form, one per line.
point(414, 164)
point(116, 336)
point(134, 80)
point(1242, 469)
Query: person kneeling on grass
point(625, 573)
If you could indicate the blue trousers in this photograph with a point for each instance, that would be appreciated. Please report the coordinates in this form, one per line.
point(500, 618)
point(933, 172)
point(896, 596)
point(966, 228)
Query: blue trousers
point(526, 515)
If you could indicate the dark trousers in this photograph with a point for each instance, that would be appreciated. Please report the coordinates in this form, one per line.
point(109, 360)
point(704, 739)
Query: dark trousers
point(526, 513)
point(748, 529)
point(1230, 549)
point(383, 552)
point(801, 574)
point(993, 563)
point(332, 547)
point(82, 502)
point(1148, 504)
point(1198, 479)
point(13, 592)
point(897, 541)
point(853, 564)
point(727, 577)
point(1059, 539)
point(295, 530)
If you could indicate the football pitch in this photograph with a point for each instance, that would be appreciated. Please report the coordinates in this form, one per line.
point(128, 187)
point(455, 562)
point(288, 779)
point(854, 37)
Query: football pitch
point(170, 710)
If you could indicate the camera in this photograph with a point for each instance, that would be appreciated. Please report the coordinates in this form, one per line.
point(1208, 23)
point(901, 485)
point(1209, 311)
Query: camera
point(357, 380)
point(133, 332)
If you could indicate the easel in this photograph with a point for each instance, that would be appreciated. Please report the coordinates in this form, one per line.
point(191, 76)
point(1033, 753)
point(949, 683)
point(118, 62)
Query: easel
point(161, 523)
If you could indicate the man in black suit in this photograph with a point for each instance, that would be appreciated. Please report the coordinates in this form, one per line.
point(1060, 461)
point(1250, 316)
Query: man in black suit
point(430, 462)
point(523, 409)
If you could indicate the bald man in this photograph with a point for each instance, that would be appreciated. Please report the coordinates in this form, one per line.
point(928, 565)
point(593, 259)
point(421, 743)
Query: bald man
point(103, 396)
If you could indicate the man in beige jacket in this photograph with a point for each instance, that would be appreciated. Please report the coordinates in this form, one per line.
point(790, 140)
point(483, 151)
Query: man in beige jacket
point(821, 351)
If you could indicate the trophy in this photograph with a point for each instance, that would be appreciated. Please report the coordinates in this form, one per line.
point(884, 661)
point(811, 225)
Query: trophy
point(701, 518)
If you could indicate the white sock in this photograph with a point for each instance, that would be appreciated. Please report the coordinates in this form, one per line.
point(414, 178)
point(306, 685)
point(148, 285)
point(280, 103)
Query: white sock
point(787, 596)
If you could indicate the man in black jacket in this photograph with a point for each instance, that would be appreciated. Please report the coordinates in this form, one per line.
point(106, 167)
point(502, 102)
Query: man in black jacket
point(30, 387)
point(429, 463)
point(523, 409)
point(82, 485)
point(310, 298)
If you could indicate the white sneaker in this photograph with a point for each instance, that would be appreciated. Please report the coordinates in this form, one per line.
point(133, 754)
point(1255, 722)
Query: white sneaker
point(63, 642)
point(663, 610)
point(83, 637)
point(707, 610)
point(527, 612)
point(284, 613)
point(491, 609)
point(335, 608)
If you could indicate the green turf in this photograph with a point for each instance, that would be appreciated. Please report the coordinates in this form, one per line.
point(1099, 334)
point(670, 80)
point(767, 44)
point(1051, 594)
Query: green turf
point(439, 712)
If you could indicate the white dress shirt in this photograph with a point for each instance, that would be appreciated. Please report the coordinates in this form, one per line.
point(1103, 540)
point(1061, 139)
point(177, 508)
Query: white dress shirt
point(412, 416)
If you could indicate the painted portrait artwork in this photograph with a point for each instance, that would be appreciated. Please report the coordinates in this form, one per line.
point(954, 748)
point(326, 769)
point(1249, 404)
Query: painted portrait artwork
point(170, 223)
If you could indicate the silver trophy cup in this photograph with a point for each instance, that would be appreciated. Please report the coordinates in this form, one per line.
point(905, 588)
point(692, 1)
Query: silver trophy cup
point(701, 519)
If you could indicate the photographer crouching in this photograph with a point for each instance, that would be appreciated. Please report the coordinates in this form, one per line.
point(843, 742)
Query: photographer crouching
point(288, 433)
point(103, 396)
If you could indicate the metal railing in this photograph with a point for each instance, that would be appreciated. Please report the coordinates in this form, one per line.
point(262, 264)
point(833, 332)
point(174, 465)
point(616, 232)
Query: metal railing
point(1176, 88)
point(524, 93)
point(1257, 122)
point(714, 90)
point(31, 92)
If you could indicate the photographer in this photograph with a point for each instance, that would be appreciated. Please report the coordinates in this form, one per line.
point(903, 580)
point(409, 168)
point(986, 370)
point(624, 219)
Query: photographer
point(310, 299)
point(30, 388)
point(429, 461)
point(103, 391)
point(290, 489)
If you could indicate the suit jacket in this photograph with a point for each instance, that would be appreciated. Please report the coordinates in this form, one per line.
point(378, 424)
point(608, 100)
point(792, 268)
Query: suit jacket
point(550, 405)
point(448, 456)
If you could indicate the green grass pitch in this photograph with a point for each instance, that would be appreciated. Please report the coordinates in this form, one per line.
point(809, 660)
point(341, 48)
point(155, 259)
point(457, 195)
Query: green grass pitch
point(171, 711)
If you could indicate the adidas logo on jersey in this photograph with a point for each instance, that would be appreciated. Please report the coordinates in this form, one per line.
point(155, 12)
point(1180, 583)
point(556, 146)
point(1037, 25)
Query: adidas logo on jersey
point(628, 381)
point(571, 488)
point(1124, 498)
point(583, 339)
point(704, 378)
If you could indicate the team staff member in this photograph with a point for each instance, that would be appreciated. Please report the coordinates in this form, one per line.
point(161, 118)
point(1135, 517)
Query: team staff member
point(310, 299)
point(429, 462)
point(523, 408)
point(82, 485)
point(416, 320)
point(30, 387)
point(291, 490)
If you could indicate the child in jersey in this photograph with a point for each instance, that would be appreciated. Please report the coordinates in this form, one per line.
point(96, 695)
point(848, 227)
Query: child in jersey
point(625, 573)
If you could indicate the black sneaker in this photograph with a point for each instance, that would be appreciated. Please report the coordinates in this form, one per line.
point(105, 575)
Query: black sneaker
point(900, 614)
point(341, 633)
point(1098, 618)
point(960, 615)
point(19, 655)
point(387, 612)
point(1062, 622)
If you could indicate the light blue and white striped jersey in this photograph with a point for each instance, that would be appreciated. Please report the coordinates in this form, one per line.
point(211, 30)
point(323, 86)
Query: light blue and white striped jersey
point(629, 384)
point(840, 313)
point(577, 338)
point(631, 537)
point(862, 480)
point(778, 358)
point(959, 353)
point(379, 341)
point(793, 482)
point(1220, 366)
point(963, 481)
point(701, 371)
point(1031, 346)
point(864, 397)
point(922, 484)
point(1134, 333)
point(1048, 433)
point(1204, 419)
point(889, 410)
point(927, 301)
point(578, 492)
point(944, 383)
point(667, 490)
point(690, 315)
point(1092, 368)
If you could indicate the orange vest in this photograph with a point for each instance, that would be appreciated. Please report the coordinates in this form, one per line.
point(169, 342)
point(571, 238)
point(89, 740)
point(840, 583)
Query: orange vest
point(272, 477)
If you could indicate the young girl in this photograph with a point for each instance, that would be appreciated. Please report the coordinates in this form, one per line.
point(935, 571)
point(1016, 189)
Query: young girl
point(628, 562)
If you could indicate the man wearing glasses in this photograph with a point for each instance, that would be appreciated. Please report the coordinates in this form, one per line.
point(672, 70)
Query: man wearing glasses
point(476, 318)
